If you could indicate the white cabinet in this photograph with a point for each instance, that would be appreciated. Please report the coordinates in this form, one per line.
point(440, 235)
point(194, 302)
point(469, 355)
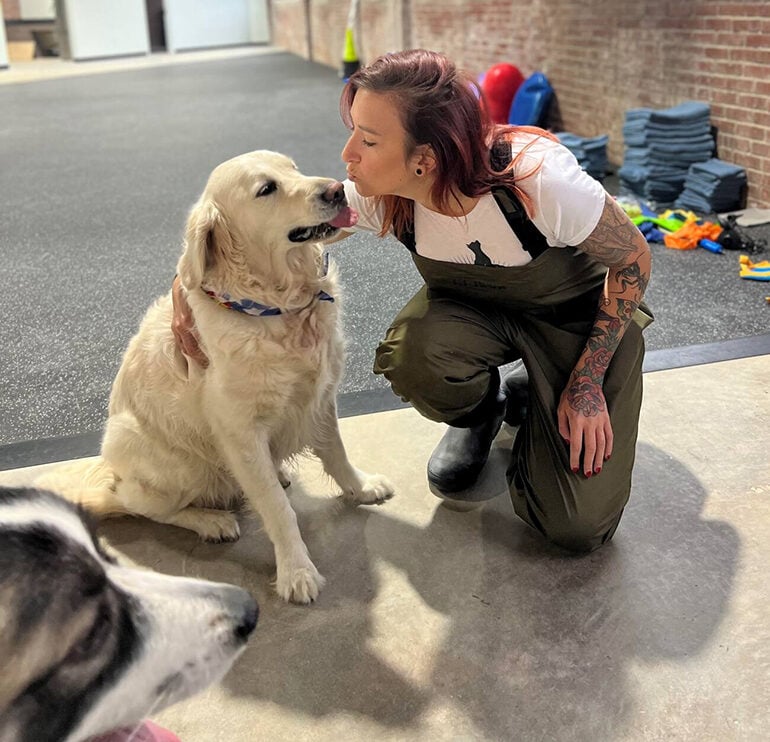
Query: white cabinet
point(36, 10)
point(104, 28)
point(200, 24)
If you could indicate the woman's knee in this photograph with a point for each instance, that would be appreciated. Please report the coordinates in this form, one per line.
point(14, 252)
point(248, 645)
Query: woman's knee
point(401, 352)
point(583, 533)
point(415, 361)
point(439, 382)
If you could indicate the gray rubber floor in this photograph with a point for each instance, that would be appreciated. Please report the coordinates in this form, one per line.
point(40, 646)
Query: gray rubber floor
point(97, 173)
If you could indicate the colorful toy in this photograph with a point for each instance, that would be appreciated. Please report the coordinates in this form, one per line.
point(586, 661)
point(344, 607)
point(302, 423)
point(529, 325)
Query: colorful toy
point(711, 246)
point(531, 103)
point(670, 225)
point(688, 237)
point(499, 85)
point(754, 271)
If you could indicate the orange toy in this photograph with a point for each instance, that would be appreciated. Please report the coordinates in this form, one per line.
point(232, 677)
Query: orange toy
point(688, 237)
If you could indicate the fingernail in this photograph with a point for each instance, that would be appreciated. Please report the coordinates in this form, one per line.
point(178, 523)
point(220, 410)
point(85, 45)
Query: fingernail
point(598, 471)
point(588, 474)
point(607, 457)
point(575, 470)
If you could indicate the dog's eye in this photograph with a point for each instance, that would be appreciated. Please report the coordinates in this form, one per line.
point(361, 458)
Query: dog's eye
point(94, 639)
point(267, 189)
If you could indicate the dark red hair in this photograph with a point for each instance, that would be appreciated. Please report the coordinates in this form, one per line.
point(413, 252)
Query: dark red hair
point(442, 107)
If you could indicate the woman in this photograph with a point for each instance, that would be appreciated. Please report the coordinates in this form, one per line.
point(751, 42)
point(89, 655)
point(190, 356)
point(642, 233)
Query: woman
point(524, 256)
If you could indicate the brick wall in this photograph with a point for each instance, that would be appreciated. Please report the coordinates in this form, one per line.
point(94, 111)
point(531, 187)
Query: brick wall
point(290, 25)
point(601, 57)
point(11, 10)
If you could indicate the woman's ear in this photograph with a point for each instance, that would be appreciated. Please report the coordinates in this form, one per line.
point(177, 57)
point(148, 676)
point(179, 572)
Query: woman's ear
point(424, 159)
point(206, 234)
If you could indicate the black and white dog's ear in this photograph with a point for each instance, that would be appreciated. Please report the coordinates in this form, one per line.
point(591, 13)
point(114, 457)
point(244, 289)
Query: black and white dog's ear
point(206, 235)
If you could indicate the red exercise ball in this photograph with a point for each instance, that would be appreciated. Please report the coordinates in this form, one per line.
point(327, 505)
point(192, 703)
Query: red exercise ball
point(499, 86)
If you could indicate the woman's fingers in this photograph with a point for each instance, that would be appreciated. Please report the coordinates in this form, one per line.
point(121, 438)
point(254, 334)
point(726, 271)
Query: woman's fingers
point(589, 439)
point(183, 326)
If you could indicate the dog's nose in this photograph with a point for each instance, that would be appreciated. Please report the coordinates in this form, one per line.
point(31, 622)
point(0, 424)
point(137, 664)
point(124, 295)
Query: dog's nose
point(248, 620)
point(334, 194)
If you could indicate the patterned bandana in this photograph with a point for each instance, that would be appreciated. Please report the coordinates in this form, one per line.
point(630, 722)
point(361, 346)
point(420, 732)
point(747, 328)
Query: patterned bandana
point(255, 309)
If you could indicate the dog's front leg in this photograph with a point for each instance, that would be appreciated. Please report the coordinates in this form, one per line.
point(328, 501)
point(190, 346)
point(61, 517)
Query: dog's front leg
point(249, 460)
point(357, 486)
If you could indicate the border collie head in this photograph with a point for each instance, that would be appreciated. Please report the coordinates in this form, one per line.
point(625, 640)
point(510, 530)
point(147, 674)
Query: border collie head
point(89, 645)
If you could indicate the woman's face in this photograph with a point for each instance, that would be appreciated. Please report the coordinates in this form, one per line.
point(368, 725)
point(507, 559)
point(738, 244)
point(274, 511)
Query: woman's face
point(375, 154)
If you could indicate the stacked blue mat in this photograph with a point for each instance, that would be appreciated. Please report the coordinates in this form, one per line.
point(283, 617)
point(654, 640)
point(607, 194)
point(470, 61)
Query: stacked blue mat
point(713, 186)
point(660, 146)
point(591, 152)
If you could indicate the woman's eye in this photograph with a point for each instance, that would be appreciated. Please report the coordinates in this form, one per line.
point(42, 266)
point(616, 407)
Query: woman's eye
point(267, 189)
point(367, 143)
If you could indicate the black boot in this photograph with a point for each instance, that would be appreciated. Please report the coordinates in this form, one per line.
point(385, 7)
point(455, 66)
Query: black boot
point(460, 455)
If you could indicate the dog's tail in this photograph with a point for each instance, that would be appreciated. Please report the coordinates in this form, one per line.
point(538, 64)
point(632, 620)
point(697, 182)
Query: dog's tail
point(88, 482)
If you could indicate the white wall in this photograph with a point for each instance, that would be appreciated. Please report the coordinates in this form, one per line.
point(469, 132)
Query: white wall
point(36, 10)
point(259, 22)
point(197, 24)
point(106, 28)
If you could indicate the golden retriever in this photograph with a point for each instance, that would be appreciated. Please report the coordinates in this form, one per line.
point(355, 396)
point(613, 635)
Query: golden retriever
point(183, 442)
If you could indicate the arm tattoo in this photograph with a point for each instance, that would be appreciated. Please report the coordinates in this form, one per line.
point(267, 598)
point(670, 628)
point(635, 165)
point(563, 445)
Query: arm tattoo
point(584, 397)
point(614, 236)
point(617, 243)
point(630, 276)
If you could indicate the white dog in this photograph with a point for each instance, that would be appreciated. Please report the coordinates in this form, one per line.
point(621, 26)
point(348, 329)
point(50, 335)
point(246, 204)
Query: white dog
point(89, 645)
point(181, 441)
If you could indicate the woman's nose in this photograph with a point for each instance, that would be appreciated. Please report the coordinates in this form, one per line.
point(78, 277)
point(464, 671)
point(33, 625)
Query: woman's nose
point(348, 154)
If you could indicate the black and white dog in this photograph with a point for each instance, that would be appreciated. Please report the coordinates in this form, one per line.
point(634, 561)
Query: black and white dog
point(87, 645)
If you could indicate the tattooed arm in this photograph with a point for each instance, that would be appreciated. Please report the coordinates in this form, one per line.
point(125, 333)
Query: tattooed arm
point(583, 417)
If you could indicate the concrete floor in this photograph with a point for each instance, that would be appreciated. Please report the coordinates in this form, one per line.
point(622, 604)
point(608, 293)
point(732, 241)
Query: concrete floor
point(438, 625)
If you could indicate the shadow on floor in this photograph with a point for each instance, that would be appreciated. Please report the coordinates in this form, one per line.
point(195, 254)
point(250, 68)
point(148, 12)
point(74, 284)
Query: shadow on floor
point(429, 611)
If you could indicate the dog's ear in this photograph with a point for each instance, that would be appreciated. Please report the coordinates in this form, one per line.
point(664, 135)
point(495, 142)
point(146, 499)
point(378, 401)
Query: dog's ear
point(206, 235)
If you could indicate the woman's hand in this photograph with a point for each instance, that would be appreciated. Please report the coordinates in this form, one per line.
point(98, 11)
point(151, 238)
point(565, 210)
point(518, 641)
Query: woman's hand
point(584, 423)
point(183, 325)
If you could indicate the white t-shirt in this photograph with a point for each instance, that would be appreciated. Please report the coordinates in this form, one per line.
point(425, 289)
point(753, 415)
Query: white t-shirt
point(567, 204)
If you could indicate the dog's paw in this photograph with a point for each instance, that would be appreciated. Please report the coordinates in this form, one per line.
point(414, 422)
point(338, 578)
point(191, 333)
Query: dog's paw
point(299, 583)
point(217, 526)
point(373, 490)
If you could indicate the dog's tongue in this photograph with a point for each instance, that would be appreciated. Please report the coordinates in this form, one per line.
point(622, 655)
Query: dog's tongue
point(346, 218)
point(145, 732)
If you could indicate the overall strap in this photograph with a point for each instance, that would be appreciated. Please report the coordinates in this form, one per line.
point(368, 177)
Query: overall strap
point(532, 240)
point(406, 238)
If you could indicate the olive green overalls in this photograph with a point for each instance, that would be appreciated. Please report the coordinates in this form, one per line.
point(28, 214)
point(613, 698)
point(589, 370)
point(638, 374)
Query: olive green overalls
point(442, 351)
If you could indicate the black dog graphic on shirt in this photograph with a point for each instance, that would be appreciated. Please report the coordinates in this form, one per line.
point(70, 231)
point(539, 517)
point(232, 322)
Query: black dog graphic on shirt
point(479, 258)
